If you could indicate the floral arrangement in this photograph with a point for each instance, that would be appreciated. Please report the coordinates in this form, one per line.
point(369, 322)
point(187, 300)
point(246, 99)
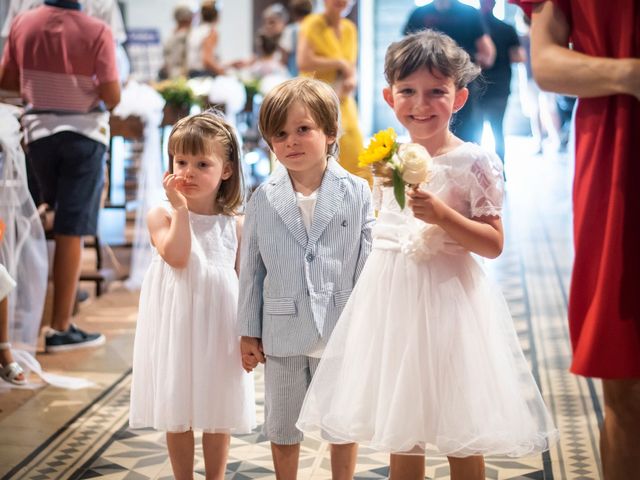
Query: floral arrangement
point(406, 164)
point(177, 93)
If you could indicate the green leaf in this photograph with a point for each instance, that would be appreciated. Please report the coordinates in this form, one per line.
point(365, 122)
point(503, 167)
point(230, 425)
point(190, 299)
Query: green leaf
point(398, 188)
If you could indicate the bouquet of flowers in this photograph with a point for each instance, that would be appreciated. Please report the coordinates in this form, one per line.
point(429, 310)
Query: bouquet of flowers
point(406, 164)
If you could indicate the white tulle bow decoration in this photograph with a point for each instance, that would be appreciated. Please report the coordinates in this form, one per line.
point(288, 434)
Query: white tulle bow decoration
point(269, 82)
point(424, 243)
point(228, 91)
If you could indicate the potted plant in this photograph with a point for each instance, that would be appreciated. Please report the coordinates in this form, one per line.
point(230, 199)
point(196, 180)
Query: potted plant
point(178, 97)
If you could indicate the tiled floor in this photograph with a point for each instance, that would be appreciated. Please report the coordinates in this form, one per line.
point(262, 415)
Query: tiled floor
point(48, 433)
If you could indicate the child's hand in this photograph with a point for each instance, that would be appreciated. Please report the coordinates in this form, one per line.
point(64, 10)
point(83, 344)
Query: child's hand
point(172, 184)
point(426, 206)
point(251, 351)
point(249, 362)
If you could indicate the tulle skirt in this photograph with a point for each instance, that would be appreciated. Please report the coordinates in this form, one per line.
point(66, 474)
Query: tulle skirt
point(424, 357)
point(187, 372)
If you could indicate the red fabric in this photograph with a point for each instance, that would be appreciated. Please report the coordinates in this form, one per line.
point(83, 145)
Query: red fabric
point(62, 56)
point(604, 304)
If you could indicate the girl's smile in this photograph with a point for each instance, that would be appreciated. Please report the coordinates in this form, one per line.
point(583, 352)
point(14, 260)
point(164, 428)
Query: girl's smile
point(424, 103)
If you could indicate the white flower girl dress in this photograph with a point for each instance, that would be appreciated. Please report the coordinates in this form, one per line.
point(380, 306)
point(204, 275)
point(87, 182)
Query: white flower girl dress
point(425, 355)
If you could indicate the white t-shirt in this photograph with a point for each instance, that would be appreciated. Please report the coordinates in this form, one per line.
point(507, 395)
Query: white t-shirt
point(307, 205)
point(195, 40)
point(94, 125)
point(287, 37)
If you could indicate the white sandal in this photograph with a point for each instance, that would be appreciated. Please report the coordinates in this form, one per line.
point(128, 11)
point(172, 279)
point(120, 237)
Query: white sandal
point(11, 371)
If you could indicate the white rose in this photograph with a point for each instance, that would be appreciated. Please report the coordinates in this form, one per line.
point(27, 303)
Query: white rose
point(416, 163)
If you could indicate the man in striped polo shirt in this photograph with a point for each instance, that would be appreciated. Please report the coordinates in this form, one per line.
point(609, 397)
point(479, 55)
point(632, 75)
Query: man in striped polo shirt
point(63, 63)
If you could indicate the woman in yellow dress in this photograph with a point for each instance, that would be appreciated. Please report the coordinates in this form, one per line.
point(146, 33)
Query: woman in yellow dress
point(328, 50)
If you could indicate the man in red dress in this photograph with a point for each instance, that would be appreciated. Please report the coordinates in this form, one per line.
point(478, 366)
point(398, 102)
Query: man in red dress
point(603, 70)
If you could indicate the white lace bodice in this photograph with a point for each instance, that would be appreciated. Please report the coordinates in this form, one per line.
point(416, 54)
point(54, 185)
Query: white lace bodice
point(468, 179)
point(214, 239)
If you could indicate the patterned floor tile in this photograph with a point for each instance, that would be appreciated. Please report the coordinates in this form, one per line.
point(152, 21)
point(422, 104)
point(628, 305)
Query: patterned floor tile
point(533, 272)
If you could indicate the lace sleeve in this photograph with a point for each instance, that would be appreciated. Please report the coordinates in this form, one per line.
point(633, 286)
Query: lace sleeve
point(486, 186)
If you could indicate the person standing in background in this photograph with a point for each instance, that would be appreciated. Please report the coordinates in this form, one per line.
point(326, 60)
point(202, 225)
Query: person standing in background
point(493, 104)
point(602, 68)
point(289, 38)
point(63, 63)
point(175, 47)
point(464, 24)
point(274, 20)
point(202, 43)
point(328, 51)
point(106, 10)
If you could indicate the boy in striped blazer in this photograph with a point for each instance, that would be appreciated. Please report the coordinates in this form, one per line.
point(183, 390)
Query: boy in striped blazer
point(307, 235)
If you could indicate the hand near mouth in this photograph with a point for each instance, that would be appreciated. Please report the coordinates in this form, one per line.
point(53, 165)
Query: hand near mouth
point(173, 184)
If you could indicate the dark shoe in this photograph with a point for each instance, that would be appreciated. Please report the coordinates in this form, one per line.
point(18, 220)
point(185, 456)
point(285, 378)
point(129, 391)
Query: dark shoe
point(72, 339)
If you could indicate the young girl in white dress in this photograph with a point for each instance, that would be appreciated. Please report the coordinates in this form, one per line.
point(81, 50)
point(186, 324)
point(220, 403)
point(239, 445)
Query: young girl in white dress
point(186, 370)
point(425, 355)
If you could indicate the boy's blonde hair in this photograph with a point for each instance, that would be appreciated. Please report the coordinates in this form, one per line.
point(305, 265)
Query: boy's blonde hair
point(195, 135)
point(433, 50)
point(316, 96)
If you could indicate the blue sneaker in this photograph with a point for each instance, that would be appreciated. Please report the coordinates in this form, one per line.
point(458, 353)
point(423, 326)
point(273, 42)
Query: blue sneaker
point(72, 339)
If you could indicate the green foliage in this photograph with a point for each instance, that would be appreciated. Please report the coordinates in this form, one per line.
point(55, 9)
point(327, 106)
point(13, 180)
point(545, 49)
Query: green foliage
point(177, 93)
point(398, 188)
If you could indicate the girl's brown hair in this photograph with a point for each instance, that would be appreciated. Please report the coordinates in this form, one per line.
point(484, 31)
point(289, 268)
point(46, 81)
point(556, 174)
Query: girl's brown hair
point(195, 135)
point(433, 50)
point(316, 96)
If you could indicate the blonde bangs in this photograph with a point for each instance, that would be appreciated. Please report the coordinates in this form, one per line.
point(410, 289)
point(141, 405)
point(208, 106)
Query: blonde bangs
point(196, 135)
point(316, 96)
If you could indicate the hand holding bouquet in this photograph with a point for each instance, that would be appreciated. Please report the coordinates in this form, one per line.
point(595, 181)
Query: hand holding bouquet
point(407, 164)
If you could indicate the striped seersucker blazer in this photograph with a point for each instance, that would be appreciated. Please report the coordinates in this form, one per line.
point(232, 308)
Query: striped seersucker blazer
point(293, 286)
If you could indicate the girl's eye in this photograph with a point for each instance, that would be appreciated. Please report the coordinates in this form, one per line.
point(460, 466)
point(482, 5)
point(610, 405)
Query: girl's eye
point(280, 135)
point(203, 164)
point(304, 129)
point(180, 162)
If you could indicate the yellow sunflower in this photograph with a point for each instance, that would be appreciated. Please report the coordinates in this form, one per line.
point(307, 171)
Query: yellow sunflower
point(380, 148)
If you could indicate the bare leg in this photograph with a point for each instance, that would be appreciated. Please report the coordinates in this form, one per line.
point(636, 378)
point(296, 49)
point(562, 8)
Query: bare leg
point(409, 467)
point(5, 354)
point(181, 453)
point(467, 468)
point(549, 116)
point(620, 434)
point(66, 273)
point(285, 460)
point(215, 447)
point(343, 461)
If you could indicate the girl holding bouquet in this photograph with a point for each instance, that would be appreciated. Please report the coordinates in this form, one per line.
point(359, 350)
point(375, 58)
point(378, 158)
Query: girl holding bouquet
point(425, 356)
